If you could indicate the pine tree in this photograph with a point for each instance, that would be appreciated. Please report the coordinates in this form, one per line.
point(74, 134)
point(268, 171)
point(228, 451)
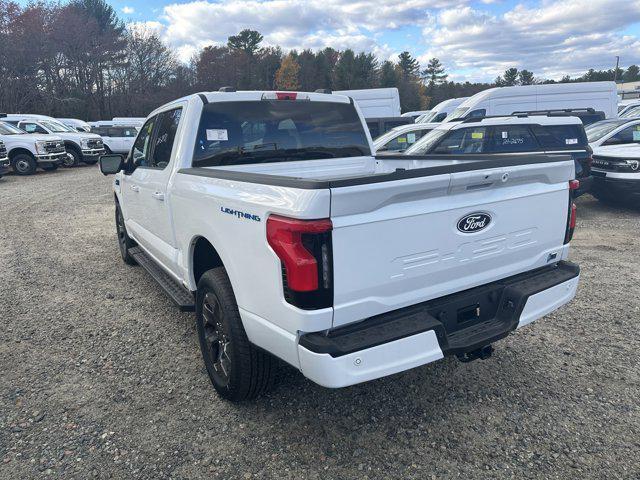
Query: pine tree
point(247, 41)
point(409, 66)
point(434, 73)
point(525, 77)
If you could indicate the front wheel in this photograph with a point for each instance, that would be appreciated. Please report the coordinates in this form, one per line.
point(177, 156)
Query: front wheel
point(124, 242)
point(72, 158)
point(237, 369)
point(24, 164)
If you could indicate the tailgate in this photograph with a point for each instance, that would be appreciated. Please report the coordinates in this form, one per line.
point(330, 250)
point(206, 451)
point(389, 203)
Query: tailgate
point(407, 241)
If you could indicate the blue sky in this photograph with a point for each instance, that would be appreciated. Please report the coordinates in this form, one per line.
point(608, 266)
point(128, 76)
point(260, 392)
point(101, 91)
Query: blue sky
point(475, 39)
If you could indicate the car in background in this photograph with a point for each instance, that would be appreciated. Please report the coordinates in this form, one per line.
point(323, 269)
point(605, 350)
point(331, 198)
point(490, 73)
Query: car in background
point(631, 112)
point(616, 175)
point(516, 134)
point(401, 138)
point(27, 152)
point(117, 138)
point(4, 159)
point(415, 114)
point(441, 111)
point(81, 147)
point(76, 124)
point(379, 126)
point(599, 96)
point(603, 136)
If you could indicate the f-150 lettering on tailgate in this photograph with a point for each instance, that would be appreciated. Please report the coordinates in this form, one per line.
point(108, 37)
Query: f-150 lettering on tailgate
point(419, 262)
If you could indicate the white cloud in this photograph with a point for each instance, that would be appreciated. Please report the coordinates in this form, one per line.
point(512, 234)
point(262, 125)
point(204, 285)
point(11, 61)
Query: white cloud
point(128, 10)
point(552, 38)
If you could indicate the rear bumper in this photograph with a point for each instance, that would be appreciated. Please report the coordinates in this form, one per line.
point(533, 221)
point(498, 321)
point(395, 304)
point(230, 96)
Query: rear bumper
point(423, 333)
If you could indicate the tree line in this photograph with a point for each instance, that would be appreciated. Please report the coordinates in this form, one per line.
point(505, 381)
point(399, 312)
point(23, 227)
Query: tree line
point(79, 59)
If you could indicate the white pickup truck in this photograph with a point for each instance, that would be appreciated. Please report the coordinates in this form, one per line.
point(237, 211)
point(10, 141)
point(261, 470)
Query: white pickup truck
point(267, 214)
point(28, 151)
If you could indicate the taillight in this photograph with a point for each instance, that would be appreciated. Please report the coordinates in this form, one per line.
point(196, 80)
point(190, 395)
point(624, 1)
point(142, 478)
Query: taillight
point(304, 248)
point(571, 215)
point(285, 96)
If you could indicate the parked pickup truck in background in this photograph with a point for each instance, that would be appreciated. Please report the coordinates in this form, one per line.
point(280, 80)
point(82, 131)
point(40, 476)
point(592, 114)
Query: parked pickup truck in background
point(267, 213)
point(4, 159)
point(27, 151)
point(81, 146)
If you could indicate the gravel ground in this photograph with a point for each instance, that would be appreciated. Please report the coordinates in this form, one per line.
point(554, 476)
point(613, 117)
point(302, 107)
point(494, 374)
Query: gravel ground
point(101, 376)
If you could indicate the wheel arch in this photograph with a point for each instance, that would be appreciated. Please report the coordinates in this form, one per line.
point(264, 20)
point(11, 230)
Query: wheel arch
point(20, 150)
point(203, 256)
point(73, 145)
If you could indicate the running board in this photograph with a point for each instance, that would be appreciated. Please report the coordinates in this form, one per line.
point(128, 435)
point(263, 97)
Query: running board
point(176, 292)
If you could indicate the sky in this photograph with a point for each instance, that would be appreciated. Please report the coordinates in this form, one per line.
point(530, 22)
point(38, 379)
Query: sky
point(475, 39)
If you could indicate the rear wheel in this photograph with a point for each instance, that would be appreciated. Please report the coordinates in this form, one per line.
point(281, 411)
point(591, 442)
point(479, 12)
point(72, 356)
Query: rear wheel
point(24, 164)
point(237, 369)
point(124, 242)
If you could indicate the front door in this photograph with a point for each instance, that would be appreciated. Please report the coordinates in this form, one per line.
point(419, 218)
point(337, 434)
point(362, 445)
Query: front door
point(149, 216)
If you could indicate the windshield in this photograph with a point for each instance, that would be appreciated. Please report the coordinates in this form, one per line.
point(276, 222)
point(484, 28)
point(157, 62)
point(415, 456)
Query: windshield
point(632, 112)
point(458, 113)
point(232, 133)
point(55, 127)
point(8, 129)
point(597, 130)
point(428, 117)
point(426, 143)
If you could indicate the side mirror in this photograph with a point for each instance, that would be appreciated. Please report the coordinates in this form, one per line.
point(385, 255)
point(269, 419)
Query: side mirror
point(111, 164)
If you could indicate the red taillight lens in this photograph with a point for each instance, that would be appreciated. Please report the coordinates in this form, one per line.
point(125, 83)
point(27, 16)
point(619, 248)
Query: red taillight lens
point(572, 220)
point(292, 240)
point(574, 185)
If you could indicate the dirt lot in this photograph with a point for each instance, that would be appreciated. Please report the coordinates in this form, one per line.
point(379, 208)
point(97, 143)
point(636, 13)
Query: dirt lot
point(101, 376)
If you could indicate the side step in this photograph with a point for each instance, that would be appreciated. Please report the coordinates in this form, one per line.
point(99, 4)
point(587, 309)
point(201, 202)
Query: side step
point(176, 292)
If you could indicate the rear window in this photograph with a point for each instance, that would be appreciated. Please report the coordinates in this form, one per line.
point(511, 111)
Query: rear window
point(512, 138)
point(561, 137)
point(233, 133)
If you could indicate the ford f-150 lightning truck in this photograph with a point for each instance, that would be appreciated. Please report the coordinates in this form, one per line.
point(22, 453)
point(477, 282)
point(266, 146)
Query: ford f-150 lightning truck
point(267, 214)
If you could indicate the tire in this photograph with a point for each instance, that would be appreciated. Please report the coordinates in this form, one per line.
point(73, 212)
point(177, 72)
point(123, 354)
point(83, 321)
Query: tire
point(24, 164)
point(237, 369)
point(49, 167)
point(72, 159)
point(124, 242)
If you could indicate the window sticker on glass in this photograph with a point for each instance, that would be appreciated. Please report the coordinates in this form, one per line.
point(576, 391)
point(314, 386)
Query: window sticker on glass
point(219, 135)
point(477, 135)
point(411, 137)
point(505, 134)
point(402, 140)
point(571, 141)
point(636, 136)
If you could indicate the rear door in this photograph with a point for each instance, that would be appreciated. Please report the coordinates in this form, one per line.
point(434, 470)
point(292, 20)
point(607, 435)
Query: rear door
point(404, 242)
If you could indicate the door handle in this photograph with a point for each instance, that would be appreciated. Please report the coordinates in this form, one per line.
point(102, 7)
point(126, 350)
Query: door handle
point(158, 196)
point(135, 188)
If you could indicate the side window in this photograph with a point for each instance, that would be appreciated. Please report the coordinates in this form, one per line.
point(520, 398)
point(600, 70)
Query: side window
point(129, 132)
point(463, 140)
point(32, 128)
point(165, 136)
point(114, 132)
point(627, 135)
point(480, 112)
point(561, 136)
point(513, 138)
point(404, 141)
point(141, 150)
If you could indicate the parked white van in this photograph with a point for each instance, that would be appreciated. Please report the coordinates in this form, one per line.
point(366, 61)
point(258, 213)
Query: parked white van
point(441, 110)
point(375, 102)
point(602, 97)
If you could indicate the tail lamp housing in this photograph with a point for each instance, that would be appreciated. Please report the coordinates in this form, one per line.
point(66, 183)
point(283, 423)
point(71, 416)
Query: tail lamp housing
point(304, 250)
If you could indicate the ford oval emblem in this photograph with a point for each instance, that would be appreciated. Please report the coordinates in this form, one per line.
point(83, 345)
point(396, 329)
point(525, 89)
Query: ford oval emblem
point(474, 222)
